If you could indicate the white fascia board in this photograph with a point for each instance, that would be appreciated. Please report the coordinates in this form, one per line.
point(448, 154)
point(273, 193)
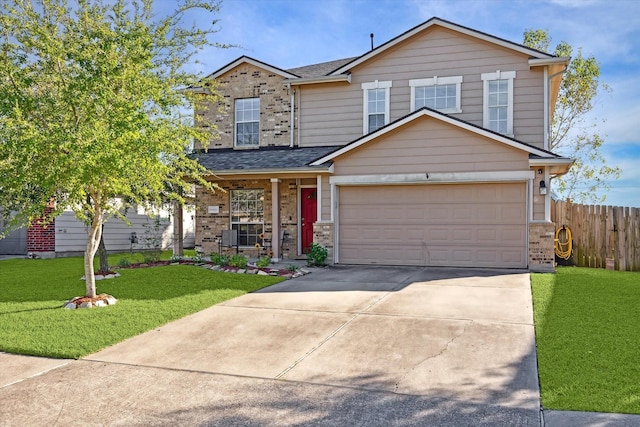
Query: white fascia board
point(315, 80)
point(551, 161)
point(433, 178)
point(246, 59)
point(541, 62)
point(451, 26)
point(556, 166)
point(444, 118)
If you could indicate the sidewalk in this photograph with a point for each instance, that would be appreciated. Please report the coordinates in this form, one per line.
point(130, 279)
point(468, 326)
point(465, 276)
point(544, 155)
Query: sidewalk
point(588, 419)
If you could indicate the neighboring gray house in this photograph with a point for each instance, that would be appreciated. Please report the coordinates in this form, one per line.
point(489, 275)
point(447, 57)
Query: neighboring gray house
point(431, 149)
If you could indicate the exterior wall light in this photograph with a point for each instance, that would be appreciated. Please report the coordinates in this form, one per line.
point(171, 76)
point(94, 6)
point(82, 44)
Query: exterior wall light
point(543, 188)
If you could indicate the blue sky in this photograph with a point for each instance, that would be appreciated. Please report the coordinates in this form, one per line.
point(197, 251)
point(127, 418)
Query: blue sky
point(291, 33)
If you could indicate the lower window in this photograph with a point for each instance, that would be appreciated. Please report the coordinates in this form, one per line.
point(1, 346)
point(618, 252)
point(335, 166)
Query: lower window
point(247, 215)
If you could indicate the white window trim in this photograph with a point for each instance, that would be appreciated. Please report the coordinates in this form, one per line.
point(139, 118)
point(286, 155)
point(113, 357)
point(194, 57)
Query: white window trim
point(498, 75)
point(235, 124)
point(435, 81)
point(375, 85)
point(231, 212)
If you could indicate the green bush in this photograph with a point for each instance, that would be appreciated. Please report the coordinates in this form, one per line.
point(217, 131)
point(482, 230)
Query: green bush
point(219, 259)
point(263, 262)
point(316, 255)
point(238, 261)
point(292, 268)
point(124, 262)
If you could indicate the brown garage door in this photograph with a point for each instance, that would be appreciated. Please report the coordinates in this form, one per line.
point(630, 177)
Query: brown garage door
point(466, 225)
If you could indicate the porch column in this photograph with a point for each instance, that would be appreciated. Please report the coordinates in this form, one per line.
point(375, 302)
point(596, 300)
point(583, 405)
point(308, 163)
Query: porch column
point(275, 219)
point(178, 232)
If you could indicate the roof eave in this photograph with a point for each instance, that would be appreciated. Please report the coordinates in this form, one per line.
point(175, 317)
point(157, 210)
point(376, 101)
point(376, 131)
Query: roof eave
point(271, 171)
point(322, 79)
point(557, 165)
point(543, 62)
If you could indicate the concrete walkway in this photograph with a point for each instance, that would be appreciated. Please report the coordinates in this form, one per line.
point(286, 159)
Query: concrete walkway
point(341, 346)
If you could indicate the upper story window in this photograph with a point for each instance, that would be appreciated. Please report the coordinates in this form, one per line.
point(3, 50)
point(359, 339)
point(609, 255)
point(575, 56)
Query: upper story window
point(376, 105)
point(247, 122)
point(439, 93)
point(498, 101)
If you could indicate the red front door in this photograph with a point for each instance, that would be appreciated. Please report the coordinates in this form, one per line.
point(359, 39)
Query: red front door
point(309, 212)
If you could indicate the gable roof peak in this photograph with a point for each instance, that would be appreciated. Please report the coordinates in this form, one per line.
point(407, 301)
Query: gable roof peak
point(435, 21)
point(248, 60)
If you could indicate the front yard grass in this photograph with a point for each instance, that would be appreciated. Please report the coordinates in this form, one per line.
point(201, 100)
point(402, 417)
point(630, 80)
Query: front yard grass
point(32, 320)
point(587, 325)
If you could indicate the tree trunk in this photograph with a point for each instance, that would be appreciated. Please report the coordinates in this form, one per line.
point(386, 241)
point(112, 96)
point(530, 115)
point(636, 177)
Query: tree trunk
point(102, 253)
point(178, 239)
point(93, 240)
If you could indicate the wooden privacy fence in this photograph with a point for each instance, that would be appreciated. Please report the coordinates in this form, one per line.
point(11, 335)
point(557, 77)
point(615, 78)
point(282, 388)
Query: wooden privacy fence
point(600, 233)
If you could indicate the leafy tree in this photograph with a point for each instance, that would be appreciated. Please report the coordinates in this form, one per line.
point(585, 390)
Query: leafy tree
point(571, 135)
point(90, 111)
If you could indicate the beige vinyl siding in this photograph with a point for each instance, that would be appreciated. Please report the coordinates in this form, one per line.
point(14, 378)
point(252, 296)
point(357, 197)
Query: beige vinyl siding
point(538, 199)
point(325, 198)
point(429, 145)
point(332, 114)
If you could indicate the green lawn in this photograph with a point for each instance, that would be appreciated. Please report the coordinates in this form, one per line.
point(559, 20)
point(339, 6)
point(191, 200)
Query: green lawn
point(32, 320)
point(588, 337)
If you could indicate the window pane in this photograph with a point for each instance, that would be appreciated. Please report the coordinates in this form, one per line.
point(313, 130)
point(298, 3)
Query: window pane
point(376, 121)
point(247, 215)
point(247, 117)
point(439, 97)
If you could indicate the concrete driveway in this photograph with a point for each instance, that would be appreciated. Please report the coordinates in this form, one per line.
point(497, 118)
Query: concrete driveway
point(341, 346)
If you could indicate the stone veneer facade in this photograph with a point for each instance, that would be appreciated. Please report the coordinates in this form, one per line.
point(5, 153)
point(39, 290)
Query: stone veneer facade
point(323, 235)
point(249, 81)
point(209, 226)
point(541, 247)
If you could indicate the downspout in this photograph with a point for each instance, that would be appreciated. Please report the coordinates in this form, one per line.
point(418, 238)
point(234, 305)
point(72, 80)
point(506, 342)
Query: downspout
point(293, 107)
point(547, 140)
point(299, 91)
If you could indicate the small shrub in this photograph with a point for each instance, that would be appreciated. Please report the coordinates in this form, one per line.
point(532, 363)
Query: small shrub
point(292, 268)
point(175, 258)
point(219, 259)
point(124, 262)
point(197, 258)
point(316, 255)
point(238, 261)
point(263, 262)
point(150, 258)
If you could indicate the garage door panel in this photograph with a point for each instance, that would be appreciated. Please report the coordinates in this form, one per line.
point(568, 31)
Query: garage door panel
point(480, 225)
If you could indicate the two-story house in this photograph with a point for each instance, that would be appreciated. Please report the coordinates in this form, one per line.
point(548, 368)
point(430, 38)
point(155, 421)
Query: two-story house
point(431, 149)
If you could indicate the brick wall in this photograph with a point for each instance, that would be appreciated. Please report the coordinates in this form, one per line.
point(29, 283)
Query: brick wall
point(209, 226)
point(248, 81)
point(41, 237)
point(323, 235)
point(541, 247)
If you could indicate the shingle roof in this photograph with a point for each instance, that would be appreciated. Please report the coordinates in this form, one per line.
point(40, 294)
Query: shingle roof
point(321, 69)
point(263, 158)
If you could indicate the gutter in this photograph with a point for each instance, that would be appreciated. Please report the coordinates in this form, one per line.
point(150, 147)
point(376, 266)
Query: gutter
point(322, 79)
point(271, 171)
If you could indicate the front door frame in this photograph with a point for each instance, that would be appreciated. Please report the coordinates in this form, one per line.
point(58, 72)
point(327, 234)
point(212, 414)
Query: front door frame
point(300, 187)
